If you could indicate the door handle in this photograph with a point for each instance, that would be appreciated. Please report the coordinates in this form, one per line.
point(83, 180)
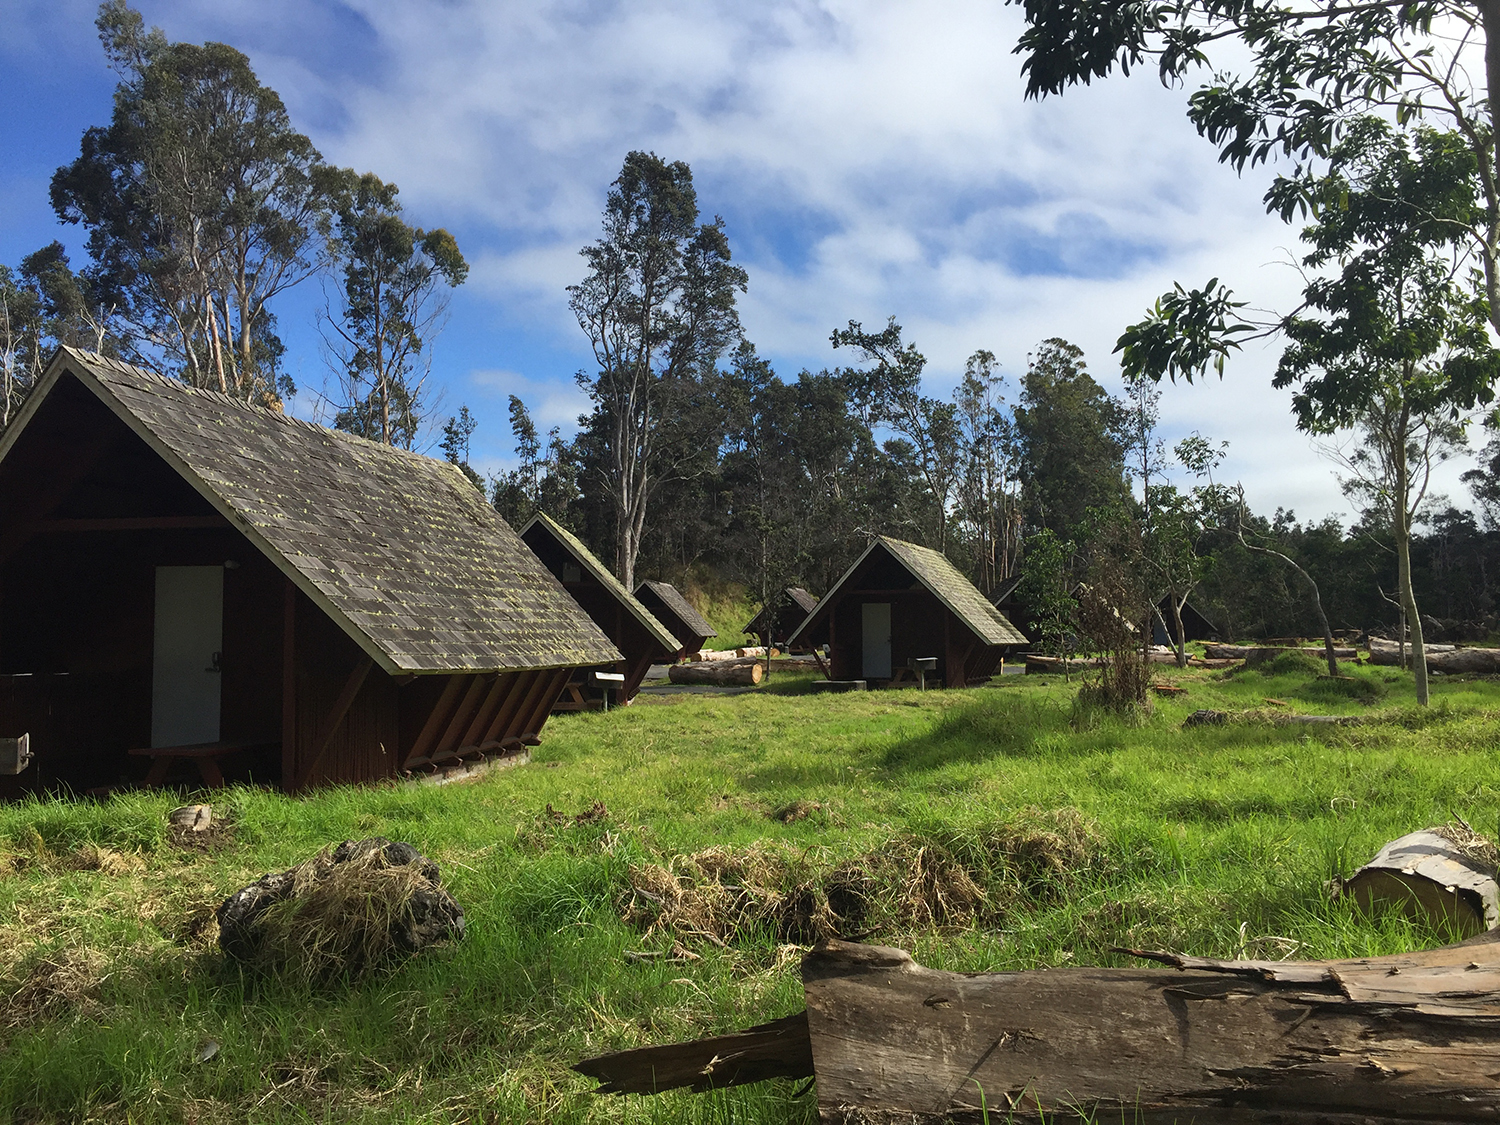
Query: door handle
point(217, 657)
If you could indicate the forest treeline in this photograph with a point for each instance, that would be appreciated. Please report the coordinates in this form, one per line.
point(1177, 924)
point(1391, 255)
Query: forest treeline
point(783, 481)
point(203, 205)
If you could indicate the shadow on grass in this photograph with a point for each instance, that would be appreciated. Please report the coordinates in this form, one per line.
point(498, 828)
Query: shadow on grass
point(995, 727)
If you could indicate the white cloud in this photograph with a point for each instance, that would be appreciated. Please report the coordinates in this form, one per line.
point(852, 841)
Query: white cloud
point(872, 158)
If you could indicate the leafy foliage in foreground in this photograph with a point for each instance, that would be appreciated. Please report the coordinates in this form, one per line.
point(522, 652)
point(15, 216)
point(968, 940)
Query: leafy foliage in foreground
point(981, 829)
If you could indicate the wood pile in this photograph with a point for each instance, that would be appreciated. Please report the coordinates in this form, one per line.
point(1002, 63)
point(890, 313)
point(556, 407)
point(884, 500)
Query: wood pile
point(730, 653)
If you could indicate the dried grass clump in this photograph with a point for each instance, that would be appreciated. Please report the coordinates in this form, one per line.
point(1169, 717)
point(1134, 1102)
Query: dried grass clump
point(106, 861)
point(549, 828)
point(1478, 849)
point(924, 885)
point(796, 810)
point(725, 895)
point(1051, 847)
point(348, 910)
point(54, 985)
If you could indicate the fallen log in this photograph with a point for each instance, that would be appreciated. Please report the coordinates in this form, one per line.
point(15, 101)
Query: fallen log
point(739, 673)
point(1255, 654)
point(1389, 652)
point(1444, 875)
point(1037, 664)
point(1406, 1038)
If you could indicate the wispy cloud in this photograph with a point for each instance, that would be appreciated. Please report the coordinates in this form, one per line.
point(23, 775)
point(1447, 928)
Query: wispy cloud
point(870, 158)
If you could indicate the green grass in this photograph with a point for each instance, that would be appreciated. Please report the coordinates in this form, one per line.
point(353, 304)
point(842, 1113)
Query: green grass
point(1212, 840)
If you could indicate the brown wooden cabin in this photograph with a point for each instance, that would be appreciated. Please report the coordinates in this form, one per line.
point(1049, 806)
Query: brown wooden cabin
point(1007, 599)
point(776, 622)
point(190, 581)
point(900, 602)
point(1194, 624)
point(640, 637)
point(668, 606)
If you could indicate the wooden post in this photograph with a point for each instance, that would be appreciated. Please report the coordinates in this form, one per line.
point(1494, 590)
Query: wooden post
point(289, 686)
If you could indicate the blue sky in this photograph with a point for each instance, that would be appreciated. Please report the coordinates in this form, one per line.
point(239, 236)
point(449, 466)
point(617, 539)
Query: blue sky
point(869, 158)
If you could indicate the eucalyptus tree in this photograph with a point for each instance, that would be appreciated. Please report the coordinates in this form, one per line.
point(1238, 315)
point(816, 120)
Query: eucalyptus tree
point(658, 308)
point(392, 303)
point(202, 204)
point(1392, 338)
point(20, 344)
point(890, 394)
point(1072, 441)
point(987, 493)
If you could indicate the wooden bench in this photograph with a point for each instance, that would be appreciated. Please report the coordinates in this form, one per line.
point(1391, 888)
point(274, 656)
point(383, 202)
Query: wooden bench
point(205, 755)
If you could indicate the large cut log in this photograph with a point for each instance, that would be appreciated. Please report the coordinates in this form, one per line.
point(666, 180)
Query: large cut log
point(728, 653)
point(1389, 652)
point(1406, 1038)
point(1256, 654)
point(1439, 875)
point(721, 672)
point(1037, 664)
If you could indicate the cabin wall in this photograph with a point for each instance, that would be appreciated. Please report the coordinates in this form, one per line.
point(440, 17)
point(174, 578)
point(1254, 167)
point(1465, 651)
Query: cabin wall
point(363, 744)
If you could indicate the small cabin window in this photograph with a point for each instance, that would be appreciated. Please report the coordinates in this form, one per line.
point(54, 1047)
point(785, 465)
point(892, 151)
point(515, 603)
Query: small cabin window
point(572, 572)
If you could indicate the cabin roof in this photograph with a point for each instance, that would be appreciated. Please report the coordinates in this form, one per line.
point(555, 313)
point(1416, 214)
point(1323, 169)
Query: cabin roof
point(604, 576)
point(943, 580)
point(400, 550)
point(792, 597)
point(1006, 589)
point(679, 605)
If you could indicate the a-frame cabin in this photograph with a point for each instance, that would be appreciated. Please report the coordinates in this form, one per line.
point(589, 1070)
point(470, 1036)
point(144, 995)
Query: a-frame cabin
point(640, 637)
point(777, 621)
point(667, 605)
point(191, 583)
point(901, 603)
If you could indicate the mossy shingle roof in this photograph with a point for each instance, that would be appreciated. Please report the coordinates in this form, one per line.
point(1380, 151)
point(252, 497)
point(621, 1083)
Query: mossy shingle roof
point(692, 620)
point(955, 591)
point(945, 581)
point(399, 549)
point(604, 576)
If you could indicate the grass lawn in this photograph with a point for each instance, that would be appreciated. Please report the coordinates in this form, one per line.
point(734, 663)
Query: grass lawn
point(982, 829)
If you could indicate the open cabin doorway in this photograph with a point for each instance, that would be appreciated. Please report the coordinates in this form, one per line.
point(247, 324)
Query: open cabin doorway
point(187, 648)
point(875, 621)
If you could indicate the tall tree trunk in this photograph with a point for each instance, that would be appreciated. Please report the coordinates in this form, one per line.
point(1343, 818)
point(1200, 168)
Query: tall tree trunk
point(1409, 605)
point(1179, 637)
point(1402, 516)
point(1490, 15)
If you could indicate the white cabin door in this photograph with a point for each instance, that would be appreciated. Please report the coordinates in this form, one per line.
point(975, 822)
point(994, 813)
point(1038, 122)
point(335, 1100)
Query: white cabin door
point(876, 621)
point(189, 638)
